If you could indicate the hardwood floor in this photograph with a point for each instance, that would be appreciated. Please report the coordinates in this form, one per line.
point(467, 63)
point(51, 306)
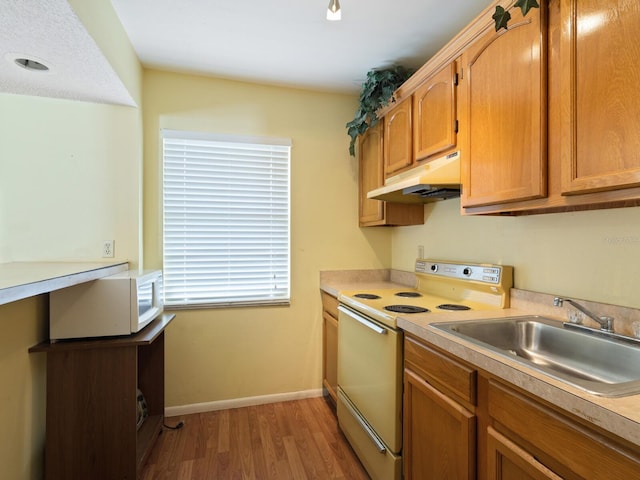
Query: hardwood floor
point(288, 440)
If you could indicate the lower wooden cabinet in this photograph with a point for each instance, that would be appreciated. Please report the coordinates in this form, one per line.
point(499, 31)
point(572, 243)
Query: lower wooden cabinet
point(439, 424)
point(561, 445)
point(440, 434)
point(330, 345)
point(507, 461)
point(463, 423)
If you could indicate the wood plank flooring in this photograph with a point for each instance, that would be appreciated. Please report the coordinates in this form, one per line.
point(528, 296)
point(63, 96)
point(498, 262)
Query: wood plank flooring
point(289, 440)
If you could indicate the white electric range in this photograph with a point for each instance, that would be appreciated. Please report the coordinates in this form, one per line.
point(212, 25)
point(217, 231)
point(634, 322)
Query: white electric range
point(370, 350)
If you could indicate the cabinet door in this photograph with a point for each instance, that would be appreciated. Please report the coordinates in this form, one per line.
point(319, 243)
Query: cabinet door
point(558, 441)
point(435, 114)
point(439, 434)
point(398, 150)
point(371, 174)
point(330, 357)
point(375, 212)
point(330, 344)
point(507, 461)
point(601, 103)
point(504, 157)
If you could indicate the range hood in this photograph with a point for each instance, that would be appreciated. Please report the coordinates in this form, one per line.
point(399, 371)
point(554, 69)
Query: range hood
point(438, 179)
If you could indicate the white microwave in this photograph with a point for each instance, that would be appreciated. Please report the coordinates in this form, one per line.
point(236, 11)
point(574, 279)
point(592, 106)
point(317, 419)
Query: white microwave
point(119, 304)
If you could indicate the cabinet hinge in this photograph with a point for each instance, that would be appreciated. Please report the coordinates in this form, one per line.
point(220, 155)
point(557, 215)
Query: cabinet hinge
point(455, 127)
point(456, 79)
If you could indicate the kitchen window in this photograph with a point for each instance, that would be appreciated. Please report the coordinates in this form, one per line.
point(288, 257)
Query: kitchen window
point(226, 219)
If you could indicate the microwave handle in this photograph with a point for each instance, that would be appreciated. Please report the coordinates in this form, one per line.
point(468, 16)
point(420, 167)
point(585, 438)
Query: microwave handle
point(364, 321)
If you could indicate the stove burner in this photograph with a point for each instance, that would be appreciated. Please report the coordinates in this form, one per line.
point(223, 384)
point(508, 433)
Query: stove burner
point(408, 294)
point(451, 306)
point(367, 296)
point(405, 309)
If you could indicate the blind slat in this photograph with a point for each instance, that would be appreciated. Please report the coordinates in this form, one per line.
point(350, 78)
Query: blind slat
point(226, 213)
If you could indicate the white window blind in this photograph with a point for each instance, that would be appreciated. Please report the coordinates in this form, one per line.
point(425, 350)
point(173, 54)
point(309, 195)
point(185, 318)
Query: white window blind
point(225, 219)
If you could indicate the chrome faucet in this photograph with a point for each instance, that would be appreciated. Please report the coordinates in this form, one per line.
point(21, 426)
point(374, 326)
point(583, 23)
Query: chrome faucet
point(606, 323)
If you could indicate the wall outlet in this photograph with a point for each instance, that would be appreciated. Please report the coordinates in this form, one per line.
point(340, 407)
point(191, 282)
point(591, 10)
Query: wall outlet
point(108, 248)
point(420, 251)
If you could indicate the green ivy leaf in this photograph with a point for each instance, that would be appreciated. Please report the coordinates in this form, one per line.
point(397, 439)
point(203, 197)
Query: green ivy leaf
point(526, 5)
point(501, 17)
point(377, 92)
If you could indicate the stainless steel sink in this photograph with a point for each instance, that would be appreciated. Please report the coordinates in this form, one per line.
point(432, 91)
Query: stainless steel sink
point(596, 363)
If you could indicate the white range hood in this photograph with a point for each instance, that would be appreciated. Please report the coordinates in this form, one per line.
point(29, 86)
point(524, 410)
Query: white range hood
point(438, 179)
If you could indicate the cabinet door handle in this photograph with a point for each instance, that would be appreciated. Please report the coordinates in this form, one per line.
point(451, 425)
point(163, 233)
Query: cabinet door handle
point(364, 321)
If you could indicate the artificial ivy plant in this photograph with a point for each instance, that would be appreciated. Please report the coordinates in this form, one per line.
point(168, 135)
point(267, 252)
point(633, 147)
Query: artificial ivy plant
point(502, 16)
point(377, 92)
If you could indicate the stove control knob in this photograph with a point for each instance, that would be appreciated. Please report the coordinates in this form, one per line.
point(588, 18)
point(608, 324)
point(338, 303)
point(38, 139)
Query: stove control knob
point(466, 271)
point(434, 268)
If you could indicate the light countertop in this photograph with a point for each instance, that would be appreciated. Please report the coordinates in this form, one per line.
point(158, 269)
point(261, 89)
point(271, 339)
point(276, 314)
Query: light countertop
point(20, 280)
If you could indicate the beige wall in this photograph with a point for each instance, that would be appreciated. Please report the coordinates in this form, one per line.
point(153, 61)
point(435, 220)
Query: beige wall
point(71, 172)
point(22, 396)
point(590, 255)
point(221, 354)
point(70, 177)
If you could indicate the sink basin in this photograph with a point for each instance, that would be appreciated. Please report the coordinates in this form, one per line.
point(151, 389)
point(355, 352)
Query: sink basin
point(593, 362)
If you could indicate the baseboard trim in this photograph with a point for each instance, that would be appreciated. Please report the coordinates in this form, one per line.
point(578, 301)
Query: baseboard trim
point(239, 402)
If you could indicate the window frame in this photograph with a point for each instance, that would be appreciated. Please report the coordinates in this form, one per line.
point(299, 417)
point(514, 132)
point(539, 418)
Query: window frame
point(282, 295)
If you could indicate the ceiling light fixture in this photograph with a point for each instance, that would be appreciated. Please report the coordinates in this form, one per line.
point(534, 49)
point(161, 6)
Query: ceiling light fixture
point(333, 12)
point(31, 65)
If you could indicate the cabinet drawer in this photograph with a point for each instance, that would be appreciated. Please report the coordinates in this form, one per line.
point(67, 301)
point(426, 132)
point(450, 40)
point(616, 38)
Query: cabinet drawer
point(561, 443)
point(329, 304)
point(450, 376)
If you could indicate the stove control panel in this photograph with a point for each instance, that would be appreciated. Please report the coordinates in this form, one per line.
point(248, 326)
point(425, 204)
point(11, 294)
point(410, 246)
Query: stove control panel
point(477, 272)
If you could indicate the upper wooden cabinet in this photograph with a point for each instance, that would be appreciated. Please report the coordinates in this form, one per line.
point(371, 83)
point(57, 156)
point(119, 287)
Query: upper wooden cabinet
point(547, 110)
point(435, 120)
point(398, 149)
point(600, 126)
point(371, 176)
point(504, 97)
point(593, 133)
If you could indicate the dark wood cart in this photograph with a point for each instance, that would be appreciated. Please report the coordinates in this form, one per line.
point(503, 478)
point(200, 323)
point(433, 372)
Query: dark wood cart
point(92, 384)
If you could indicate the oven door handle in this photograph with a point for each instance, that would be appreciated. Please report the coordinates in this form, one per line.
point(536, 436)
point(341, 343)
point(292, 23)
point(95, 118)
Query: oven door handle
point(367, 429)
point(364, 321)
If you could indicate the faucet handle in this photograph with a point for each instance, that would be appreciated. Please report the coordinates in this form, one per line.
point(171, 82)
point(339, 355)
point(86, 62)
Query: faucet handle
point(607, 323)
point(557, 301)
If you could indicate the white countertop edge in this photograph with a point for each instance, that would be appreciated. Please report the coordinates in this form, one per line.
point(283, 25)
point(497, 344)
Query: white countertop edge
point(20, 280)
point(574, 401)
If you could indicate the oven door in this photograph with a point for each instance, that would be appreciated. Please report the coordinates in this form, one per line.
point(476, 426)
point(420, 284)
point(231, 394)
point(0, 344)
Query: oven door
point(370, 373)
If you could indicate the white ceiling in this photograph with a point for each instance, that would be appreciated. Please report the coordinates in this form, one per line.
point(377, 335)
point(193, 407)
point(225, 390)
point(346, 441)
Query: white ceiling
point(290, 42)
point(49, 31)
point(280, 42)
